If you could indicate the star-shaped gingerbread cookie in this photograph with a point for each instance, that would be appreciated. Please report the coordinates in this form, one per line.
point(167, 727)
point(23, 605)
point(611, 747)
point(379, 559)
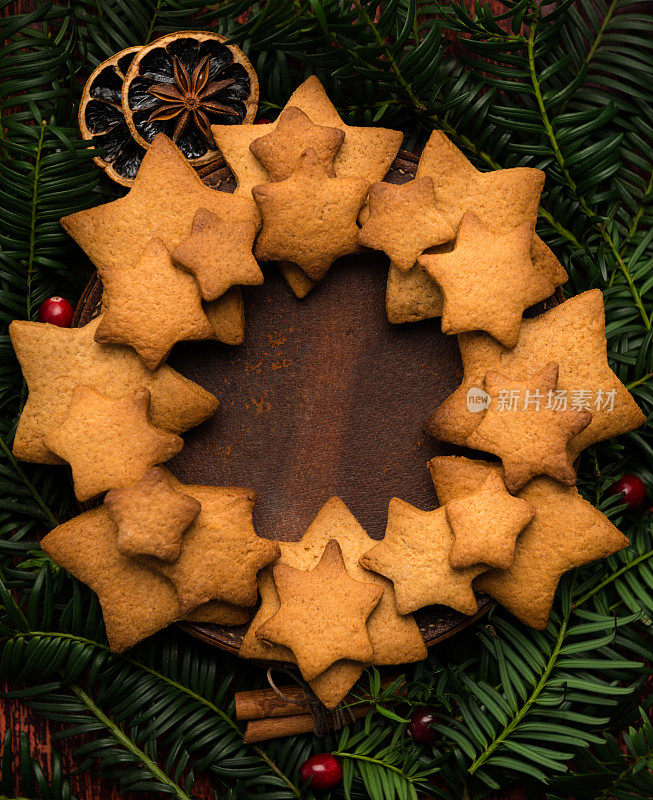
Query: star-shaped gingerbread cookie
point(573, 336)
point(220, 552)
point(524, 428)
point(151, 516)
point(310, 218)
point(502, 199)
point(323, 613)
point(566, 532)
point(109, 442)
point(219, 254)
point(136, 602)
point(396, 639)
point(160, 204)
point(486, 525)
point(414, 555)
point(293, 134)
point(55, 360)
point(488, 279)
point(365, 153)
point(151, 306)
point(332, 685)
point(404, 221)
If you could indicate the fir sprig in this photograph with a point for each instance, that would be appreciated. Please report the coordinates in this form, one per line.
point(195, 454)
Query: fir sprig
point(561, 86)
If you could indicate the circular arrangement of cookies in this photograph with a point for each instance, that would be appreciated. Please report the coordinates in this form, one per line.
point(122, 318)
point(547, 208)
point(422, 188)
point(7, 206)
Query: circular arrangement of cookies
point(172, 256)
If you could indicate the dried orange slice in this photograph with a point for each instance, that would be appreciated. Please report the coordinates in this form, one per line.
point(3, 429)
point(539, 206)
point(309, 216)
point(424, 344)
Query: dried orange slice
point(101, 118)
point(183, 83)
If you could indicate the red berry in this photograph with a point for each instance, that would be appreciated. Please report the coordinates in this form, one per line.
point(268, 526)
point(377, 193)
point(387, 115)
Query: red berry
point(632, 490)
point(419, 727)
point(56, 311)
point(323, 770)
point(262, 121)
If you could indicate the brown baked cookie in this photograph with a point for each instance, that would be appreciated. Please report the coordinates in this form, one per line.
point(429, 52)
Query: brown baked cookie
point(530, 435)
point(136, 602)
point(151, 516)
point(502, 199)
point(55, 360)
point(332, 685)
point(227, 316)
point(219, 254)
point(151, 306)
point(395, 637)
point(293, 134)
point(488, 279)
point(566, 532)
point(365, 153)
point(218, 613)
point(486, 525)
point(411, 296)
point(309, 218)
point(160, 204)
point(404, 221)
point(573, 336)
point(110, 443)
point(414, 555)
point(323, 613)
point(220, 552)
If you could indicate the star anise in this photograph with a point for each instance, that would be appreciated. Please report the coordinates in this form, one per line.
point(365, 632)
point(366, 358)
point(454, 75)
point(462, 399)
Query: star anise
point(190, 96)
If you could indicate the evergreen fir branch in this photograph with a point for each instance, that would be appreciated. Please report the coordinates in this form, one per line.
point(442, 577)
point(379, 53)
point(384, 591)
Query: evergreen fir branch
point(516, 702)
point(207, 738)
point(31, 773)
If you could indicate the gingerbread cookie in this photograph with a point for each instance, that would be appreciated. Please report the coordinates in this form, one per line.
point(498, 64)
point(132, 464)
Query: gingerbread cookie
point(136, 602)
point(566, 532)
point(218, 613)
point(109, 442)
point(219, 254)
point(502, 200)
point(227, 316)
point(55, 360)
point(161, 204)
point(396, 639)
point(151, 516)
point(411, 296)
point(404, 221)
point(323, 613)
point(365, 153)
point(280, 150)
point(486, 525)
point(571, 335)
point(488, 279)
point(415, 554)
point(220, 552)
point(332, 685)
point(531, 436)
point(151, 306)
point(309, 218)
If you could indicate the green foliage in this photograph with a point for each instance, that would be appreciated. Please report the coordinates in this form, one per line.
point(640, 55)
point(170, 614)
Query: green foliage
point(40, 783)
point(567, 88)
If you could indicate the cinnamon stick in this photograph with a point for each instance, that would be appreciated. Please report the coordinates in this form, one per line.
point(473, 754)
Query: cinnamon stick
point(265, 703)
point(261, 703)
point(261, 730)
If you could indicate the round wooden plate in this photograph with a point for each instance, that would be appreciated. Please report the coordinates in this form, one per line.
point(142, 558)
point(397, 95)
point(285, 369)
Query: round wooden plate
point(324, 397)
